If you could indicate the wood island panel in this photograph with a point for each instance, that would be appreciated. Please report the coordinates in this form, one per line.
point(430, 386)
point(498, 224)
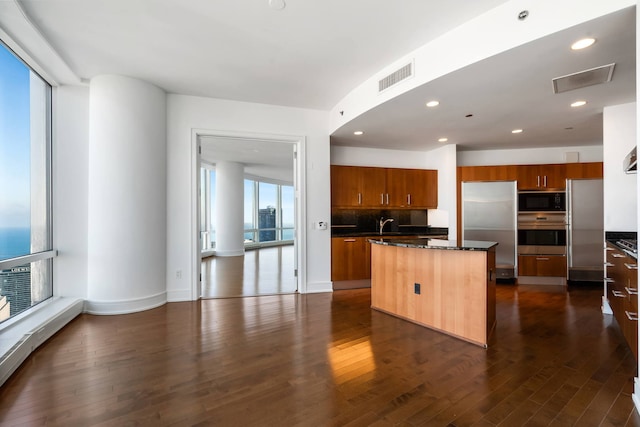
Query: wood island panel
point(457, 288)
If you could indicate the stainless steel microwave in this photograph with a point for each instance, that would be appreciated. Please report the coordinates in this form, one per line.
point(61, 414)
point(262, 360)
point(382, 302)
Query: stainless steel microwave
point(542, 201)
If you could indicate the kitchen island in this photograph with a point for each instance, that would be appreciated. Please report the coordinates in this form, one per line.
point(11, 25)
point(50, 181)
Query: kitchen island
point(437, 283)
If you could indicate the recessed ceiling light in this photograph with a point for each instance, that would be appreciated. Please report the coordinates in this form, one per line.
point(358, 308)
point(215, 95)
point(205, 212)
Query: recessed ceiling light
point(516, 131)
point(433, 103)
point(443, 139)
point(583, 43)
point(277, 4)
point(358, 132)
point(579, 103)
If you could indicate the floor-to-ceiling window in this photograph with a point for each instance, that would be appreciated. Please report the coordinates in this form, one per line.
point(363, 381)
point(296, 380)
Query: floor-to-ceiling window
point(269, 214)
point(25, 187)
point(271, 206)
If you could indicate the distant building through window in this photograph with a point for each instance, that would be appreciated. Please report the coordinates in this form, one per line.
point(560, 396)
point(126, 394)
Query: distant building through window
point(268, 211)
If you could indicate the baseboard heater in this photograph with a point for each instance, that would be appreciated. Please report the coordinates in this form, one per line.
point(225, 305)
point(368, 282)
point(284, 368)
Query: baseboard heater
point(20, 339)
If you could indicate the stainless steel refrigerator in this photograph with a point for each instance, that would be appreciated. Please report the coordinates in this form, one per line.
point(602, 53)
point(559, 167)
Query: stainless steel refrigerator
point(489, 212)
point(585, 237)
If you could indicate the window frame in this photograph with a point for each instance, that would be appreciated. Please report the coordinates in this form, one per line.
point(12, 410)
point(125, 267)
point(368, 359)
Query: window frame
point(49, 254)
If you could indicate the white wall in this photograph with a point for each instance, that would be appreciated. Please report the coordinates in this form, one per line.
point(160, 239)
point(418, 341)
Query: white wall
point(70, 189)
point(528, 156)
point(620, 189)
point(186, 114)
point(127, 196)
point(442, 159)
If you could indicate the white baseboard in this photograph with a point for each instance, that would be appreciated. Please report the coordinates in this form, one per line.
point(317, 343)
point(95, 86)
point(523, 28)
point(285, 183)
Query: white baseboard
point(636, 391)
point(20, 337)
point(318, 287)
point(239, 252)
point(606, 308)
point(125, 306)
point(179, 295)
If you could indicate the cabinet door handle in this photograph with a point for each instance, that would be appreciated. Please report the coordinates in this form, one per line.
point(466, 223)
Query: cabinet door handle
point(349, 240)
point(545, 181)
point(631, 315)
point(609, 249)
point(618, 294)
point(608, 280)
point(631, 266)
point(382, 198)
point(631, 291)
point(538, 185)
point(619, 255)
point(608, 264)
point(359, 198)
point(409, 199)
point(387, 198)
point(542, 259)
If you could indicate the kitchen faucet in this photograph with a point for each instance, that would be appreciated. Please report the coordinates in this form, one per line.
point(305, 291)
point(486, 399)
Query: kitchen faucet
point(383, 222)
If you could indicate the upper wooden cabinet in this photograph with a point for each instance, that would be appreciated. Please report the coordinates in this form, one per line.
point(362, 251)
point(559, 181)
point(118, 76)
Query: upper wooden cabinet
point(532, 177)
point(584, 170)
point(412, 188)
point(487, 173)
point(369, 187)
point(541, 177)
point(357, 186)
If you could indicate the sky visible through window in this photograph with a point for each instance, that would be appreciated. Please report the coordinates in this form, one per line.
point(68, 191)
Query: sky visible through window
point(14, 156)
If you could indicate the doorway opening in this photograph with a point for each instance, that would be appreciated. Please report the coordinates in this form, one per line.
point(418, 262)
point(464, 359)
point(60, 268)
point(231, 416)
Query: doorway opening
point(270, 204)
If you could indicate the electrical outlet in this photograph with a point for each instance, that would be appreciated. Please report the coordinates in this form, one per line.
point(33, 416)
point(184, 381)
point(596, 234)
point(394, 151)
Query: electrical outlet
point(416, 288)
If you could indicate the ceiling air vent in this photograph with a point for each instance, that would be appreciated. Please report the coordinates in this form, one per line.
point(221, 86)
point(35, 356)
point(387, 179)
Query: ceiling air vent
point(585, 78)
point(396, 77)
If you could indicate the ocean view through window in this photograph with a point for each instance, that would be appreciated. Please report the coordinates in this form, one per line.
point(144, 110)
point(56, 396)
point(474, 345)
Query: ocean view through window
point(25, 187)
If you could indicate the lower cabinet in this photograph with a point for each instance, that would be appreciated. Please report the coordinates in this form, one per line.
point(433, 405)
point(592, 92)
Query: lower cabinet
point(542, 265)
point(622, 293)
point(350, 258)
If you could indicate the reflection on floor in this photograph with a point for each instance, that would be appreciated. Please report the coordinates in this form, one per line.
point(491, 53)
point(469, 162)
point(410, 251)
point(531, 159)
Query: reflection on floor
point(264, 271)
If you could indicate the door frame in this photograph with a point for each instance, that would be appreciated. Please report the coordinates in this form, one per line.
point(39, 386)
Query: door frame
point(299, 184)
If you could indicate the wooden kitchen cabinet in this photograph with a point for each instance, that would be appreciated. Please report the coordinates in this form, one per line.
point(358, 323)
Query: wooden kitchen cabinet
point(412, 188)
point(350, 258)
point(584, 170)
point(542, 265)
point(487, 173)
point(621, 277)
point(358, 187)
point(370, 187)
point(541, 177)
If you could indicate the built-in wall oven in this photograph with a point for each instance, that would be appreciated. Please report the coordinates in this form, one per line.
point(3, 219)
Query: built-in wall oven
point(542, 233)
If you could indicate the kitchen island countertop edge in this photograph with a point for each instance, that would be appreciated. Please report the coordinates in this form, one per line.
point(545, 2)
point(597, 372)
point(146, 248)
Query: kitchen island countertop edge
point(467, 245)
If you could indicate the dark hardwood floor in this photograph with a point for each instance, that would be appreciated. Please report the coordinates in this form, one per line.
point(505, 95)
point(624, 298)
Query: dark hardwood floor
point(328, 359)
point(264, 271)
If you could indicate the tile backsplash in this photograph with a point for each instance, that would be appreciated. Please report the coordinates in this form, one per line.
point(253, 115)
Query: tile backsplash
point(368, 219)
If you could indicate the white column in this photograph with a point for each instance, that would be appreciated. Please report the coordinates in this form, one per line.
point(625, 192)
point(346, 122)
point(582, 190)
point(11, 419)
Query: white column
point(229, 218)
point(127, 207)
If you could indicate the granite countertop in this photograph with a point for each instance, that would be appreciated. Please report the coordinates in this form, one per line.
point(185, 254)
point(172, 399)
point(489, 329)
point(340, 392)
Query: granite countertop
point(467, 245)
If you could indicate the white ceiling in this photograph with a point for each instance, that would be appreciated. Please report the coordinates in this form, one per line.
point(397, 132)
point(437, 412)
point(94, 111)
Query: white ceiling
point(314, 52)
point(309, 55)
point(509, 91)
point(266, 159)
